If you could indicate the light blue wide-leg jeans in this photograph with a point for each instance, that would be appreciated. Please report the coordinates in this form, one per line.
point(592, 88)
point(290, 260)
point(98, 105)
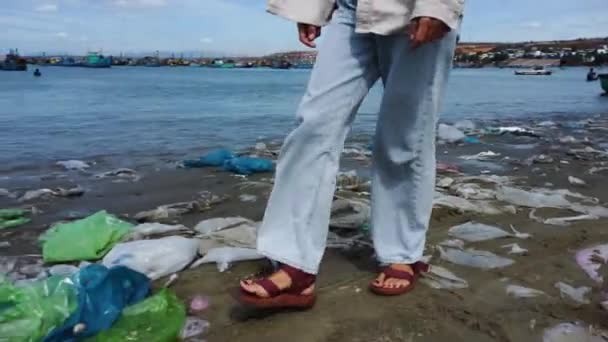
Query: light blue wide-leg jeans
point(296, 222)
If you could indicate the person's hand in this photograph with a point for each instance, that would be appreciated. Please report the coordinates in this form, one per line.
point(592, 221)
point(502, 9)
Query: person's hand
point(425, 30)
point(308, 33)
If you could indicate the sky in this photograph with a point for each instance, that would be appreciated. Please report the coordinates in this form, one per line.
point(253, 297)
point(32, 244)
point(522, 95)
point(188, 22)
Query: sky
point(242, 27)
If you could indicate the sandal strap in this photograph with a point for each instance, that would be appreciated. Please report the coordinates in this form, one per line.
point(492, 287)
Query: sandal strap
point(420, 267)
point(300, 280)
point(390, 272)
point(271, 288)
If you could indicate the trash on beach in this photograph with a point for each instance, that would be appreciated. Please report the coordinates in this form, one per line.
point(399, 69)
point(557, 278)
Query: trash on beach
point(523, 292)
point(464, 205)
point(73, 165)
point(145, 230)
point(36, 194)
point(215, 158)
point(576, 294)
point(87, 239)
point(351, 181)
point(568, 140)
point(561, 221)
point(6, 193)
point(231, 231)
point(154, 258)
point(472, 191)
point(518, 131)
point(474, 232)
point(515, 249)
point(70, 192)
point(448, 168)
point(198, 304)
point(487, 155)
point(170, 211)
point(247, 166)
point(156, 318)
point(471, 140)
point(29, 312)
point(194, 327)
point(576, 181)
point(13, 217)
point(445, 182)
point(122, 173)
point(62, 270)
point(102, 295)
point(350, 213)
point(596, 169)
point(540, 159)
point(225, 256)
point(336, 241)
point(449, 133)
point(474, 258)
point(248, 198)
point(209, 226)
point(547, 123)
point(441, 278)
point(574, 332)
point(5, 244)
point(465, 125)
point(454, 243)
point(592, 259)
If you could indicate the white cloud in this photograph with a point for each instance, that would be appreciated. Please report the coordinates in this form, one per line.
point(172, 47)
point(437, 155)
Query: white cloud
point(140, 3)
point(532, 24)
point(206, 40)
point(61, 34)
point(46, 8)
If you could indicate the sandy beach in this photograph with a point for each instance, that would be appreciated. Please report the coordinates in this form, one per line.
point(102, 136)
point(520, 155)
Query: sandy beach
point(346, 311)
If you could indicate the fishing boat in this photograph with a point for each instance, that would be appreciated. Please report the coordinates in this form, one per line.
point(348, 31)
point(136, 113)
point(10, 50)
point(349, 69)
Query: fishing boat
point(536, 71)
point(97, 60)
point(13, 62)
point(604, 81)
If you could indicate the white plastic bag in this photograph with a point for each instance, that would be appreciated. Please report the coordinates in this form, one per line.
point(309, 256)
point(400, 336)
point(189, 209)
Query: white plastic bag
point(474, 232)
point(224, 256)
point(474, 258)
point(154, 258)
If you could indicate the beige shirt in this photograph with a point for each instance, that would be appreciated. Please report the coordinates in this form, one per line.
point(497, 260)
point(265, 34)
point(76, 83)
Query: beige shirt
point(382, 17)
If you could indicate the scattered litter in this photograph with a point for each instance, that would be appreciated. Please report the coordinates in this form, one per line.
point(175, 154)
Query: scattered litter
point(540, 159)
point(87, 239)
point(248, 198)
point(547, 123)
point(221, 223)
point(523, 292)
point(573, 332)
point(474, 258)
point(62, 270)
point(350, 181)
point(154, 258)
point(198, 303)
point(122, 173)
point(596, 169)
point(247, 165)
point(6, 193)
point(472, 191)
point(351, 213)
point(518, 131)
point(215, 158)
point(261, 147)
point(472, 140)
point(231, 231)
point(454, 243)
point(173, 210)
point(194, 327)
point(576, 294)
point(519, 235)
point(592, 259)
point(464, 205)
point(487, 155)
point(441, 278)
point(36, 194)
point(576, 181)
point(71, 192)
point(448, 168)
point(336, 241)
point(13, 217)
point(445, 182)
point(449, 133)
point(73, 165)
point(465, 125)
point(5, 244)
point(516, 249)
point(568, 140)
point(224, 256)
point(145, 230)
point(561, 221)
point(474, 232)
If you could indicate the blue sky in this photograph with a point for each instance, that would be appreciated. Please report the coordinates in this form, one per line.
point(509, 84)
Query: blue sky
point(242, 27)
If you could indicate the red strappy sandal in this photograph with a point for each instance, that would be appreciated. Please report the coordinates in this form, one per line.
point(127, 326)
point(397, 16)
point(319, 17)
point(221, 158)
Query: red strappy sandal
point(290, 298)
point(389, 272)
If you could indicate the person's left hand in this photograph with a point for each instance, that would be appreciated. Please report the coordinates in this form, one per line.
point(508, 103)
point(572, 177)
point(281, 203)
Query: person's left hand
point(424, 30)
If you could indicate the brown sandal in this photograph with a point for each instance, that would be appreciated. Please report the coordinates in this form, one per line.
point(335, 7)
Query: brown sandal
point(290, 298)
point(389, 272)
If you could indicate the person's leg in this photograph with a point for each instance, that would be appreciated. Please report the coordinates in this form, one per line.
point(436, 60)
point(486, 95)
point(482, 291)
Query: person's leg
point(294, 230)
point(404, 148)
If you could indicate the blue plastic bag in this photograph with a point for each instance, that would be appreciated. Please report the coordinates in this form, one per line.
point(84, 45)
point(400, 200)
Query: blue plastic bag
point(247, 166)
point(214, 158)
point(102, 295)
point(472, 140)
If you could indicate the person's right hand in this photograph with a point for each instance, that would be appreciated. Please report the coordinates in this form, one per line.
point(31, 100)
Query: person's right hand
point(308, 33)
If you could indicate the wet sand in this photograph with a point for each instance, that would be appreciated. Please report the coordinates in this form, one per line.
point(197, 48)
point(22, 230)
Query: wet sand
point(345, 310)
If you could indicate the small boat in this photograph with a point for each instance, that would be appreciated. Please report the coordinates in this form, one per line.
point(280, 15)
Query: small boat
point(604, 81)
point(97, 60)
point(12, 62)
point(536, 71)
point(37, 73)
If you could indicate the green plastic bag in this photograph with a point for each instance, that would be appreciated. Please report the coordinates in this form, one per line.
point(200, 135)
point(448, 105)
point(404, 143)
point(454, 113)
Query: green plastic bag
point(159, 318)
point(30, 312)
point(87, 239)
point(13, 217)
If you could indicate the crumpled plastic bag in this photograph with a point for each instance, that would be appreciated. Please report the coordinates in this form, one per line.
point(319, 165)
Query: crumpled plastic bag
point(247, 165)
point(29, 313)
point(577, 294)
point(102, 295)
point(441, 278)
point(573, 332)
point(158, 318)
point(214, 158)
point(87, 239)
point(13, 217)
point(474, 258)
point(523, 292)
point(474, 232)
point(145, 230)
point(224, 256)
point(591, 260)
point(449, 133)
point(154, 258)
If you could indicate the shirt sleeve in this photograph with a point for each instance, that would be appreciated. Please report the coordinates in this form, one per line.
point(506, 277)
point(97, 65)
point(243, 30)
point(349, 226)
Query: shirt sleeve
point(314, 12)
point(448, 11)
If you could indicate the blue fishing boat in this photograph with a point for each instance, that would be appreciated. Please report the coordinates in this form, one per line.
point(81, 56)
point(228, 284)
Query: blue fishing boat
point(97, 60)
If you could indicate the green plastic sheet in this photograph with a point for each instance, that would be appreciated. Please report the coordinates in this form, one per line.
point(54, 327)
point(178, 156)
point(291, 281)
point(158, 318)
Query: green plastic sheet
point(29, 313)
point(159, 318)
point(87, 239)
point(13, 217)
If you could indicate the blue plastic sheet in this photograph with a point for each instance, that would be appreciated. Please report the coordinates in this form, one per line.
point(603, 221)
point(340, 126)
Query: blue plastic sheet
point(215, 158)
point(472, 140)
point(102, 295)
point(247, 166)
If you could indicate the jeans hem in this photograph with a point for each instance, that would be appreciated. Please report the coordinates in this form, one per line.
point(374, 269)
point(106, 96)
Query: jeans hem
point(291, 263)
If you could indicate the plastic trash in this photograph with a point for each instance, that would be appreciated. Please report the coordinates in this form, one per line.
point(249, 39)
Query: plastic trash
point(36, 194)
point(224, 256)
point(248, 198)
point(474, 232)
point(465, 125)
point(194, 327)
point(169, 211)
point(523, 292)
point(445, 182)
point(576, 181)
point(77, 165)
point(159, 318)
point(515, 249)
point(102, 295)
point(247, 165)
point(198, 303)
point(145, 230)
point(454, 243)
point(592, 259)
point(220, 223)
point(474, 258)
point(472, 191)
point(351, 213)
point(472, 140)
point(575, 294)
point(13, 217)
point(464, 205)
point(30, 312)
point(487, 155)
point(449, 133)
point(242, 235)
point(63, 270)
point(518, 131)
point(214, 158)
point(87, 239)
point(154, 258)
point(573, 332)
point(122, 173)
point(561, 221)
point(441, 278)
point(547, 123)
point(568, 140)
